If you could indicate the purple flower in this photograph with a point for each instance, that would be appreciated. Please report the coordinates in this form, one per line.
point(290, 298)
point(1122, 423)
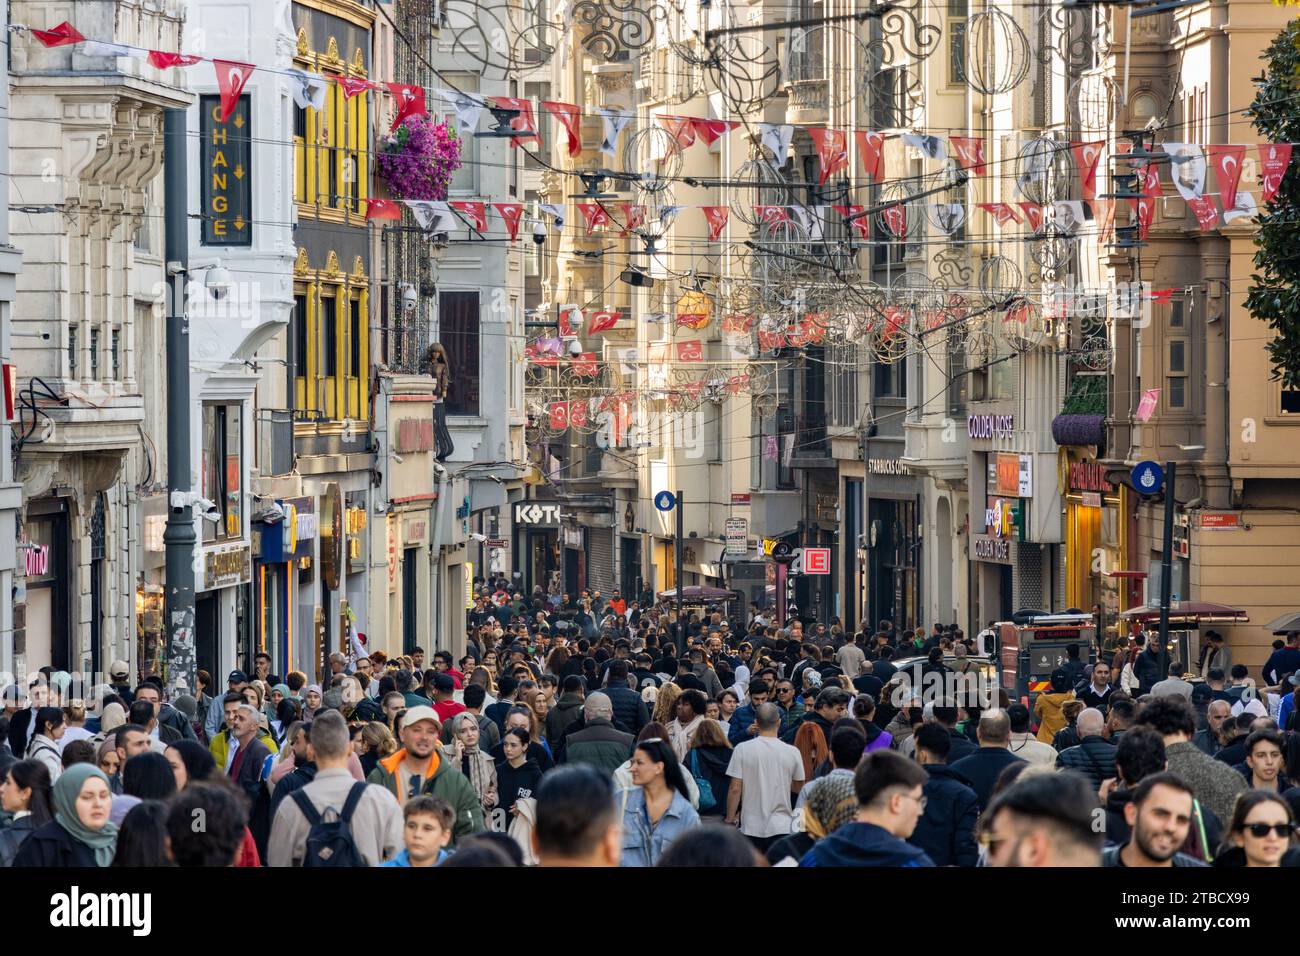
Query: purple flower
point(418, 161)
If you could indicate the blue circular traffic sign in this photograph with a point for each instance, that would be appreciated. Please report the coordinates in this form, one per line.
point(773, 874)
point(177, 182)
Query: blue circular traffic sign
point(665, 501)
point(1148, 477)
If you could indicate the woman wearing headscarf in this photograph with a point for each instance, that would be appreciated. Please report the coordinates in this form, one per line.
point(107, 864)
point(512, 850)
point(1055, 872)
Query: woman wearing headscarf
point(477, 766)
point(831, 803)
point(311, 700)
point(80, 833)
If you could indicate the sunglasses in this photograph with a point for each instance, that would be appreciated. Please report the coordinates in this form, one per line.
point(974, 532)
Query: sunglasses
point(1262, 830)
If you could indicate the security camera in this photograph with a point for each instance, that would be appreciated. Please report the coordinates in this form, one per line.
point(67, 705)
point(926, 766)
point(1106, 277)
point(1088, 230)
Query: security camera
point(539, 233)
point(218, 282)
point(478, 537)
point(575, 348)
point(409, 298)
point(208, 509)
point(396, 457)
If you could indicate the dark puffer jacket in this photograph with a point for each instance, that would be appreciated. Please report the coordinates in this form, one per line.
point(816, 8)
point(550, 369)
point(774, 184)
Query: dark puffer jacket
point(946, 830)
point(1093, 756)
point(629, 708)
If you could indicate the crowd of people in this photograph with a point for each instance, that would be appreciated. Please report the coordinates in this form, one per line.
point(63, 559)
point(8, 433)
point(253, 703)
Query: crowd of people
point(598, 731)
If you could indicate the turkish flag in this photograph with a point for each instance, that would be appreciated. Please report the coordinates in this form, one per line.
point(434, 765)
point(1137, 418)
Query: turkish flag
point(832, 150)
point(692, 320)
point(352, 85)
point(871, 148)
point(231, 77)
point(410, 102)
point(603, 321)
point(1227, 166)
point(895, 321)
point(162, 60)
point(1146, 210)
point(477, 211)
point(594, 214)
point(1001, 212)
point(578, 413)
point(737, 324)
point(690, 351)
point(1273, 160)
point(559, 416)
point(633, 217)
point(771, 341)
point(709, 130)
point(896, 220)
point(737, 382)
point(861, 225)
point(567, 114)
point(773, 215)
point(524, 122)
point(680, 128)
point(1203, 208)
point(584, 364)
point(1087, 156)
point(970, 153)
point(64, 34)
point(1151, 180)
point(567, 329)
point(511, 213)
point(382, 209)
point(717, 217)
point(1033, 214)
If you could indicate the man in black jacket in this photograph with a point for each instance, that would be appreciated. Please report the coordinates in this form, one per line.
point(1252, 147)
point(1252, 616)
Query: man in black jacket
point(167, 715)
point(985, 765)
point(831, 704)
point(946, 830)
point(629, 708)
point(246, 764)
point(1147, 668)
point(1094, 755)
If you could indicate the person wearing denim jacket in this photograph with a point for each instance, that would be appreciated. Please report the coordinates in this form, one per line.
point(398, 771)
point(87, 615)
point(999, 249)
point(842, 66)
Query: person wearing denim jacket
point(657, 777)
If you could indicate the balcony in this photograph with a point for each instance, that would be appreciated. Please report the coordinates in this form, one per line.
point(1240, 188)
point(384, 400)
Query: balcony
point(812, 447)
point(807, 84)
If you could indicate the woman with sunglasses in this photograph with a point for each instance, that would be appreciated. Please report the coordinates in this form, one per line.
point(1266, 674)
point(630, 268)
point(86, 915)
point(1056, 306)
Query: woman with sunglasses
point(1261, 832)
point(657, 808)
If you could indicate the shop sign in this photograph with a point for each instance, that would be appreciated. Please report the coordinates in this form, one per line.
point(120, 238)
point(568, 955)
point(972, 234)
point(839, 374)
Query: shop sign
point(737, 537)
point(537, 514)
point(391, 528)
point(415, 530)
point(469, 585)
point(226, 566)
point(226, 173)
point(990, 426)
point(414, 434)
point(1219, 521)
point(498, 544)
point(573, 537)
point(816, 560)
point(887, 466)
point(1009, 475)
point(37, 560)
point(1091, 499)
point(1026, 476)
point(997, 550)
point(738, 499)
point(1000, 518)
point(1089, 476)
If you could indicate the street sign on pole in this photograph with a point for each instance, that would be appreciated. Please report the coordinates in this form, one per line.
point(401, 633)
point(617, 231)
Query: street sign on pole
point(1148, 477)
point(665, 501)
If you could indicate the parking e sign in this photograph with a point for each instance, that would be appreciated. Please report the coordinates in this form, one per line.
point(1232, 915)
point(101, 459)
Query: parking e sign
point(816, 560)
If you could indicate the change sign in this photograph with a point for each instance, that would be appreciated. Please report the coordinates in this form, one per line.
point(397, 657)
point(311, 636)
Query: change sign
point(225, 173)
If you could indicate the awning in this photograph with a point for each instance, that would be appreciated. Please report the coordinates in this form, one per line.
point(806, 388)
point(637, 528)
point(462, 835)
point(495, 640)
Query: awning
point(1287, 622)
point(1193, 613)
point(696, 592)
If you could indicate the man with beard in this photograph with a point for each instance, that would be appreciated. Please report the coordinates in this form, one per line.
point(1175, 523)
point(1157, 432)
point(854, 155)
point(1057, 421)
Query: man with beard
point(1159, 814)
point(1043, 820)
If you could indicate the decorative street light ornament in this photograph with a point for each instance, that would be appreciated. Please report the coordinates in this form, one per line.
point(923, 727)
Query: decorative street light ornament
point(997, 52)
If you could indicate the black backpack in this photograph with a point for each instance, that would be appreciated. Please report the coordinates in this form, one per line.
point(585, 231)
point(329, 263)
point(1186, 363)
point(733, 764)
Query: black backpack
point(331, 844)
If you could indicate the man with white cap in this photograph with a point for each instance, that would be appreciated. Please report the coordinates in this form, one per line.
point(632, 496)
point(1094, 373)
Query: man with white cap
point(419, 768)
point(119, 679)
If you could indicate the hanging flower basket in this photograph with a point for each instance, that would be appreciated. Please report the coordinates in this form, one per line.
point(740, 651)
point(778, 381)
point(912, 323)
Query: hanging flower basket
point(418, 161)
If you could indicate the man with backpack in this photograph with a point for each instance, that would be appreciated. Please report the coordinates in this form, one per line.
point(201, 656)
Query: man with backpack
point(335, 820)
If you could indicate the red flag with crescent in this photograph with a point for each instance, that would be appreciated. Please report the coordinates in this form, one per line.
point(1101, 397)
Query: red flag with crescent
point(231, 77)
point(1227, 167)
point(511, 213)
point(410, 102)
point(1087, 156)
point(717, 217)
point(1273, 160)
point(871, 149)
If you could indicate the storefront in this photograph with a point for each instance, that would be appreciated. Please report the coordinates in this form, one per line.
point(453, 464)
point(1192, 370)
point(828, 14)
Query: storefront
point(893, 536)
point(221, 607)
point(279, 547)
point(1002, 487)
point(42, 629)
point(1098, 532)
point(536, 544)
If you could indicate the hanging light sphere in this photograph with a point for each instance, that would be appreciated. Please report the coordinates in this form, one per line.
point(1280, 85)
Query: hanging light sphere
point(997, 52)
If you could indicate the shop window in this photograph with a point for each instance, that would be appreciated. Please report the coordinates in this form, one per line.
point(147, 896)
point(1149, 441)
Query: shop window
point(458, 322)
point(221, 470)
point(330, 143)
point(890, 379)
point(956, 42)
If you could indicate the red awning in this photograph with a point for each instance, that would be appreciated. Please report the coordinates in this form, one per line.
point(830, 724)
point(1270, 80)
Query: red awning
point(1190, 612)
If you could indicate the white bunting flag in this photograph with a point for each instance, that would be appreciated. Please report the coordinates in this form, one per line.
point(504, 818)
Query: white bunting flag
point(468, 109)
point(614, 121)
point(946, 217)
point(931, 147)
point(1246, 208)
point(434, 216)
point(555, 211)
point(309, 89)
point(1187, 169)
point(1067, 215)
point(777, 137)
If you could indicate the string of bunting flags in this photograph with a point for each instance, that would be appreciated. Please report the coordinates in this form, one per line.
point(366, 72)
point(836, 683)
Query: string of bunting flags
point(1190, 163)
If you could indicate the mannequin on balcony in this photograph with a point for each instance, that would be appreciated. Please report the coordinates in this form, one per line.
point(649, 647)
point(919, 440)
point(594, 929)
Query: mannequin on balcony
point(440, 369)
